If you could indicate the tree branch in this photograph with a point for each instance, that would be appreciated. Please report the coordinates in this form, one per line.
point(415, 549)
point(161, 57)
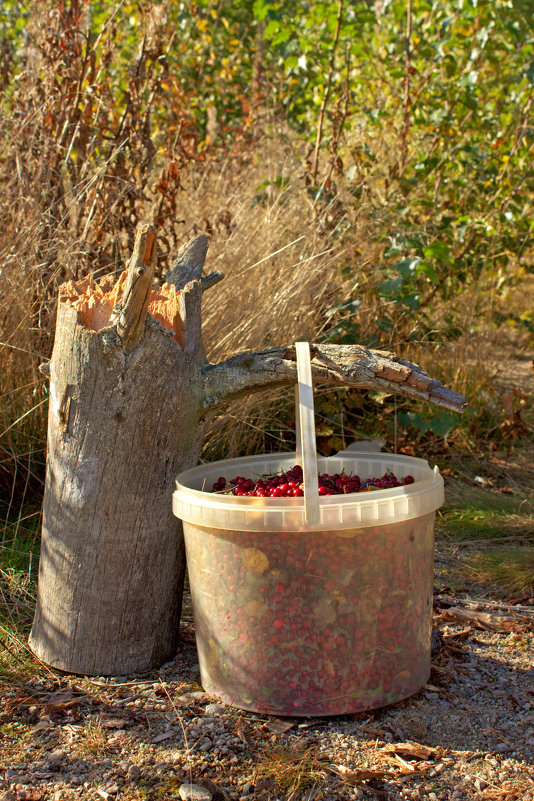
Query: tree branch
point(129, 315)
point(189, 262)
point(338, 365)
point(207, 281)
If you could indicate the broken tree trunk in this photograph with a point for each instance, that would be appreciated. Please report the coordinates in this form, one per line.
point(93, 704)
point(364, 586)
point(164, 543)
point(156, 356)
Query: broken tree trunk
point(129, 387)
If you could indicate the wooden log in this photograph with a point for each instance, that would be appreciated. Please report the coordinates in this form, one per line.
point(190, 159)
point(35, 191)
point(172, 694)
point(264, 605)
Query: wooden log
point(129, 388)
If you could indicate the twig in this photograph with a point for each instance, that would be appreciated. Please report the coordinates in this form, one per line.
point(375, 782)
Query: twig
point(326, 95)
point(406, 103)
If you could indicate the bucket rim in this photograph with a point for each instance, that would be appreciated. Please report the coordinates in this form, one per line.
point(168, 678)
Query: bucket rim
point(430, 487)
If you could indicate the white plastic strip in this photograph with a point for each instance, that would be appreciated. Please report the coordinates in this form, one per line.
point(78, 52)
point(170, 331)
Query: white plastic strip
point(306, 423)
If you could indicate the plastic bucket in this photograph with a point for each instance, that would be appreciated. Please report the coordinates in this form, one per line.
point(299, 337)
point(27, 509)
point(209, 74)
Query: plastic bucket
point(313, 605)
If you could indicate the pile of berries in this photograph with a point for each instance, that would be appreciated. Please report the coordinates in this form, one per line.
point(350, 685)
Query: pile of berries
point(289, 484)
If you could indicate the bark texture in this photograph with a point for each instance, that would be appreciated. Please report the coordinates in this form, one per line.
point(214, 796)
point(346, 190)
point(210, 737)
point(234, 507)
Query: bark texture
point(122, 424)
point(128, 391)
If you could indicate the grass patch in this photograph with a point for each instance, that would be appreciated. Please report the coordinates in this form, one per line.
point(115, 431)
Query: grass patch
point(17, 603)
point(92, 740)
point(472, 513)
point(293, 768)
point(510, 568)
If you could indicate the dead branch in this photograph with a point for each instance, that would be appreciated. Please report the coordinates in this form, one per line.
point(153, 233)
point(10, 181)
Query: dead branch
point(189, 263)
point(129, 315)
point(338, 365)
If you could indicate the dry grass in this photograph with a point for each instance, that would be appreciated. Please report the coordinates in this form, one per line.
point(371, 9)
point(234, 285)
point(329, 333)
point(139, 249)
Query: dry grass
point(293, 769)
point(92, 740)
point(509, 568)
point(17, 600)
point(73, 197)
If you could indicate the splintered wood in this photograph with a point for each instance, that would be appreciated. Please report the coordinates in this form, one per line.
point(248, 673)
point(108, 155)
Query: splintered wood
point(94, 303)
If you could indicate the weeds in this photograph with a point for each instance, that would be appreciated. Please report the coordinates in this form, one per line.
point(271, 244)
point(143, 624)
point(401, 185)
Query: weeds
point(92, 739)
point(509, 568)
point(293, 768)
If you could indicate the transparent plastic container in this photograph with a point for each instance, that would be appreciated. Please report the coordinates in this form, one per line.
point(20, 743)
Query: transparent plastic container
point(313, 605)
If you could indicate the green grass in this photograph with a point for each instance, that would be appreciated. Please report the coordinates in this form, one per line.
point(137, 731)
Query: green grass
point(510, 568)
point(472, 513)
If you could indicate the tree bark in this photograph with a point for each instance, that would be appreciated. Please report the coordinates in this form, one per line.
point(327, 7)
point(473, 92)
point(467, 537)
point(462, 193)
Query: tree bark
point(128, 392)
point(123, 422)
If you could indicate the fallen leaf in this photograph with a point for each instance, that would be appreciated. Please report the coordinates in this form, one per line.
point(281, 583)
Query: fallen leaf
point(520, 700)
point(411, 750)
point(218, 792)
point(356, 776)
point(163, 736)
point(115, 723)
point(374, 731)
point(43, 725)
point(20, 699)
point(59, 702)
point(265, 784)
point(279, 726)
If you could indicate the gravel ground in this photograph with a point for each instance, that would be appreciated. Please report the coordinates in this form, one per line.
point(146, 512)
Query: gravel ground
point(469, 734)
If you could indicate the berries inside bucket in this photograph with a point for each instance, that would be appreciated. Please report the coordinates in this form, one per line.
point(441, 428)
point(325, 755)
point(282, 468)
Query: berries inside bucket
point(289, 484)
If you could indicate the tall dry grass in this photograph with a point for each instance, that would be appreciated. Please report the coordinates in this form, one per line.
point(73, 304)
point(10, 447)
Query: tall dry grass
point(82, 164)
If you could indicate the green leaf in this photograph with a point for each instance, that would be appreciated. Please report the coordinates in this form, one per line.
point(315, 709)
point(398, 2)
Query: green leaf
point(390, 286)
point(429, 270)
point(413, 301)
point(443, 424)
point(407, 267)
point(281, 37)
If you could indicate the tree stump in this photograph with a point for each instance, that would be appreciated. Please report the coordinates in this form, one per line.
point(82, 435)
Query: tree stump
point(129, 388)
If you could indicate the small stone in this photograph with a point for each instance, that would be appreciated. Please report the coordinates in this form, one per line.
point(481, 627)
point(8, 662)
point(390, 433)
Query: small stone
point(194, 792)
point(479, 784)
point(432, 797)
point(215, 709)
point(11, 774)
point(198, 695)
point(25, 778)
point(134, 771)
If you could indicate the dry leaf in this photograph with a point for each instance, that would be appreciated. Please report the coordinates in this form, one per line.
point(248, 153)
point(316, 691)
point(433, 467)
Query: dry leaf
point(279, 726)
point(374, 731)
point(358, 775)
point(411, 750)
point(114, 723)
point(43, 725)
point(20, 699)
point(217, 791)
point(166, 735)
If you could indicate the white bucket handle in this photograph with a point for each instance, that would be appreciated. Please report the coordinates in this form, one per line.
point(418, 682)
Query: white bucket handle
point(306, 452)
